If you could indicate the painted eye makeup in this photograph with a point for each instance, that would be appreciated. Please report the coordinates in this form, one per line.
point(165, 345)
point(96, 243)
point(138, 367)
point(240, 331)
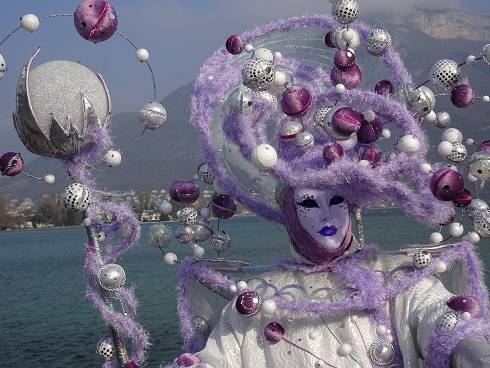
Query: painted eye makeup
point(335, 200)
point(308, 203)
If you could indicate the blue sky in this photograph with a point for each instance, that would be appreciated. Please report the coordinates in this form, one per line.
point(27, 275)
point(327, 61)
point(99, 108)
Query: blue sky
point(179, 34)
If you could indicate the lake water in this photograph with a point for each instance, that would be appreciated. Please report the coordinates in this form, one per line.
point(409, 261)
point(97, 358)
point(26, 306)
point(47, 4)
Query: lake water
point(46, 321)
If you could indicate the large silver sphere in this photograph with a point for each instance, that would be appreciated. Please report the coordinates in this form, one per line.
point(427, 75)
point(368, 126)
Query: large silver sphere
point(201, 229)
point(153, 115)
point(76, 197)
point(420, 101)
point(220, 241)
point(159, 235)
point(240, 101)
point(377, 41)
point(445, 74)
point(345, 11)
point(111, 277)
point(258, 74)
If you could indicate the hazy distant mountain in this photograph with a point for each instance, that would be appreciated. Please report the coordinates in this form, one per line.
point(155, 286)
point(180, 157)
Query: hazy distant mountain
point(173, 151)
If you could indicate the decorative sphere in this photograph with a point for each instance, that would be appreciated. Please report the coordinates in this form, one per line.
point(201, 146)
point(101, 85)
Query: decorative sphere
point(101, 236)
point(184, 234)
point(446, 184)
point(296, 101)
point(111, 277)
point(448, 322)
point(456, 229)
point(425, 168)
point(200, 325)
point(445, 148)
point(319, 119)
point(201, 229)
point(273, 332)
point(328, 40)
point(235, 45)
point(430, 117)
point(464, 199)
point(186, 191)
point(3, 66)
point(349, 143)
point(166, 207)
point(443, 119)
point(205, 212)
point(370, 130)
point(159, 235)
point(371, 155)
point(476, 208)
point(348, 35)
point(422, 259)
point(264, 156)
point(384, 88)
point(188, 216)
point(485, 146)
point(142, 55)
point(344, 59)
point(332, 152)
point(153, 115)
point(452, 135)
point(436, 238)
point(248, 303)
point(350, 77)
point(458, 153)
point(86, 222)
point(223, 206)
point(465, 303)
point(381, 352)
point(340, 88)
point(481, 225)
point(441, 267)
point(344, 350)
point(29, 22)
point(112, 158)
point(479, 165)
point(346, 121)
point(328, 113)
point(170, 259)
point(345, 11)
point(11, 164)
point(240, 101)
point(49, 179)
point(304, 140)
point(77, 197)
point(263, 53)
point(445, 74)
point(218, 188)
point(242, 285)
point(267, 96)
point(172, 191)
point(95, 20)
point(377, 41)
point(220, 241)
point(268, 306)
point(408, 144)
point(283, 79)
point(258, 74)
point(420, 101)
point(340, 43)
point(462, 96)
point(473, 237)
point(205, 174)
point(105, 349)
point(290, 129)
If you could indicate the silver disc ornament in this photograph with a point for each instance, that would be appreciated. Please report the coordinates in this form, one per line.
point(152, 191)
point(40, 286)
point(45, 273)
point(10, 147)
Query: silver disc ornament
point(159, 235)
point(443, 119)
point(111, 277)
point(220, 241)
point(445, 74)
point(258, 74)
point(345, 11)
point(377, 41)
point(105, 349)
point(76, 197)
point(382, 352)
point(240, 101)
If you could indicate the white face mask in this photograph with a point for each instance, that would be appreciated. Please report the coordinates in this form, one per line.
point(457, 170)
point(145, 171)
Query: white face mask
point(324, 215)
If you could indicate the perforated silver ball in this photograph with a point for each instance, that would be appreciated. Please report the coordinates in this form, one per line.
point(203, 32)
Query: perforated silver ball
point(266, 95)
point(448, 322)
point(458, 153)
point(443, 119)
point(445, 74)
point(205, 174)
point(258, 74)
point(105, 349)
point(481, 225)
point(111, 277)
point(319, 119)
point(187, 216)
point(422, 259)
point(377, 41)
point(220, 241)
point(200, 324)
point(76, 197)
point(345, 11)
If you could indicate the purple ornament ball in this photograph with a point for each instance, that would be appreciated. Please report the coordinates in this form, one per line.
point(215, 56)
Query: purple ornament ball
point(485, 146)
point(446, 184)
point(350, 77)
point(273, 332)
point(463, 199)
point(465, 303)
point(328, 41)
point(296, 101)
point(248, 303)
point(372, 155)
point(11, 164)
point(187, 191)
point(223, 206)
point(95, 20)
point(462, 96)
point(344, 59)
point(235, 45)
point(384, 88)
point(187, 360)
point(346, 121)
point(333, 152)
point(370, 131)
point(172, 191)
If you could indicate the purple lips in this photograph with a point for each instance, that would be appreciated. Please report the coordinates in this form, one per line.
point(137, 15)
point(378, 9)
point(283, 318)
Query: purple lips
point(328, 231)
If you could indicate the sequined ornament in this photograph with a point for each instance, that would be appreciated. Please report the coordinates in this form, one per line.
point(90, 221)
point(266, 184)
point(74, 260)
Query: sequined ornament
point(273, 332)
point(95, 20)
point(296, 101)
point(377, 41)
point(422, 259)
point(220, 241)
point(345, 11)
point(223, 206)
point(153, 115)
point(384, 88)
point(11, 164)
point(382, 352)
point(304, 140)
point(159, 235)
point(350, 77)
point(319, 119)
point(184, 234)
point(248, 303)
point(187, 216)
point(464, 199)
point(476, 208)
point(448, 322)
point(258, 74)
point(462, 96)
point(77, 197)
point(458, 153)
point(479, 165)
point(111, 277)
point(446, 184)
point(105, 349)
point(200, 324)
point(267, 96)
point(235, 45)
point(481, 225)
point(240, 101)
point(445, 74)
point(205, 174)
point(289, 130)
point(465, 303)
point(332, 152)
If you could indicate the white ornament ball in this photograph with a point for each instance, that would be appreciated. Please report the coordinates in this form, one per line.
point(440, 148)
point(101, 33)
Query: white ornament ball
point(456, 229)
point(430, 117)
point(344, 349)
point(340, 88)
point(268, 306)
point(248, 48)
point(49, 179)
point(3, 66)
point(166, 207)
point(436, 238)
point(233, 288)
point(86, 222)
point(445, 148)
point(408, 144)
point(470, 141)
point(348, 35)
point(277, 56)
point(472, 178)
point(142, 55)
point(364, 163)
point(486, 98)
point(386, 133)
point(264, 156)
point(112, 158)
point(381, 330)
point(29, 22)
point(242, 285)
point(170, 259)
point(263, 53)
point(473, 237)
point(198, 251)
point(466, 316)
point(471, 59)
point(348, 143)
point(441, 267)
point(425, 168)
point(369, 115)
point(452, 135)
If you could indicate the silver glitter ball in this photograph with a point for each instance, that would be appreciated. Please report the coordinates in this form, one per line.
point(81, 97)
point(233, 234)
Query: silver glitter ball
point(187, 216)
point(458, 153)
point(377, 41)
point(345, 11)
point(481, 225)
point(159, 235)
point(105, 349)
point(304, 140)
point(381, 352)
point(479, 165)
point(443, 119)
point(200, 325)
point(111, 277)
point(258, 74)
point(240, 101)
point(476, 208)
point(290, 129)
point(422, 259)
point(153, 115)
point(445, 74)
point(448, 322)
point(76, 197)
point(220, 241)
point(205, 174)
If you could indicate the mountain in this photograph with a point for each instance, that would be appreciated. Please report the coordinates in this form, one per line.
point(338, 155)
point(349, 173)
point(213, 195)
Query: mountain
point(173, 151)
